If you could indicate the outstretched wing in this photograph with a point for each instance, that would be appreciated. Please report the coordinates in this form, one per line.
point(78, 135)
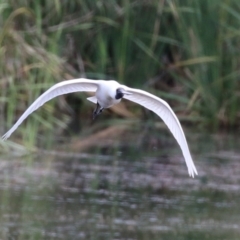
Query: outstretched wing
point(164, 111)
point(69, 86)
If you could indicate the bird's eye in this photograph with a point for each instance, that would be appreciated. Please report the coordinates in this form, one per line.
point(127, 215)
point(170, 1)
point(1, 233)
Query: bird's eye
point(119, 94)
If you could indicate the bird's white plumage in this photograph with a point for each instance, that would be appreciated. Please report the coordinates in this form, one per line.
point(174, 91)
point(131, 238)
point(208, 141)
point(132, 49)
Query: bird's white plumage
point(92, 99)
point(105, 95)
point(70, 86)
point(164, 111)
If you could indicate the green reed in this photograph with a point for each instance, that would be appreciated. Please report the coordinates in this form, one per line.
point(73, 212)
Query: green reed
point(193, 43)
point(209, 29)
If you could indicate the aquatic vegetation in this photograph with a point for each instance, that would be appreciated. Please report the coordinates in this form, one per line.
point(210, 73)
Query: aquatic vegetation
point(208, 30)
point(184, 51)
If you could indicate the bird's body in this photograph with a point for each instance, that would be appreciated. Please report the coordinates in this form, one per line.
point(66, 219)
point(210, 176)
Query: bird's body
point(107, 94)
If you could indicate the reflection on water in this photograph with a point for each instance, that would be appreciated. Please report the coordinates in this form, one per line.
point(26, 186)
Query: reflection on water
point(125, 193)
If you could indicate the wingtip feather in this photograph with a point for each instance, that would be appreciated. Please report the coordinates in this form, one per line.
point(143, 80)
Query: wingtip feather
point(6, 136)
point(192, 172)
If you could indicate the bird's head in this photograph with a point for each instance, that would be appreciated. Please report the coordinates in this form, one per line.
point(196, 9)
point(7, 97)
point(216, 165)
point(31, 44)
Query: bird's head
point(120, 92)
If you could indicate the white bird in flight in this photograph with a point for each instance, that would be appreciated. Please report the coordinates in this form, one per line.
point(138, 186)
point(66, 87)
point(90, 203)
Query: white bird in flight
point(107, 94)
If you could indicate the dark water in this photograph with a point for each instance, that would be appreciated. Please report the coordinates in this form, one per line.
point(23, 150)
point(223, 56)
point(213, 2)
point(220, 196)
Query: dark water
point(124, 192)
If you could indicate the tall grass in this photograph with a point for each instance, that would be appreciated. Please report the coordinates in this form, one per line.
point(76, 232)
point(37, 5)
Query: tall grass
point(187, 50)
point(209, 29)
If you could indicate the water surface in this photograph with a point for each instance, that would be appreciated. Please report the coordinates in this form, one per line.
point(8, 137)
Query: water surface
point(135, 190)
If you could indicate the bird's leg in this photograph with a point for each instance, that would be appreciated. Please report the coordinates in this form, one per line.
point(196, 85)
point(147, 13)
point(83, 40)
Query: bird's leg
point(97, 111)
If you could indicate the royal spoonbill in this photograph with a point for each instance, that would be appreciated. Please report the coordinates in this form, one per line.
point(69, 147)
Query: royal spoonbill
point(107, 94)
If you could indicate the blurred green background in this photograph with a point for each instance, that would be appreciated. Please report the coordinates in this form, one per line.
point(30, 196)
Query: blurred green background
point(186, 52)
point(123, 175)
